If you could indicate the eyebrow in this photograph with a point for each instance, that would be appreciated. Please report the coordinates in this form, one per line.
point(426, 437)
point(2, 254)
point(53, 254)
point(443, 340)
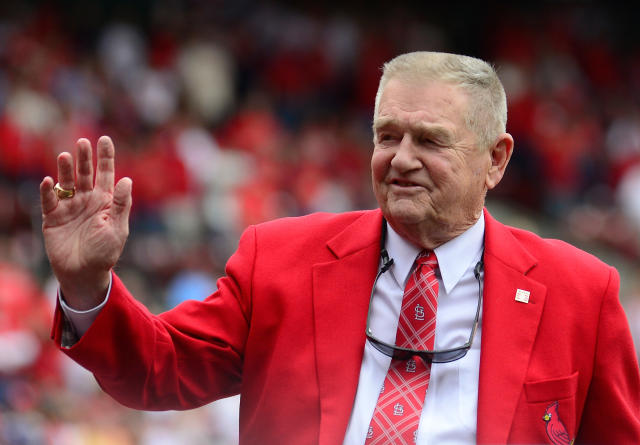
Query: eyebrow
point(437, 132)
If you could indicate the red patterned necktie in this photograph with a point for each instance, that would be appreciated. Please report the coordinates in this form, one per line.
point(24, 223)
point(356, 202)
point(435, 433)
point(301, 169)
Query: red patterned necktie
point(397, 414)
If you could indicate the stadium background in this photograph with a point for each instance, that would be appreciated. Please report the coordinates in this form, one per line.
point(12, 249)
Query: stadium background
point(232, 112)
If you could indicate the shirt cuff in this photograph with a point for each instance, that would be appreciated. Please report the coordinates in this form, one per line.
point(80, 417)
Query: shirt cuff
point(81, 320)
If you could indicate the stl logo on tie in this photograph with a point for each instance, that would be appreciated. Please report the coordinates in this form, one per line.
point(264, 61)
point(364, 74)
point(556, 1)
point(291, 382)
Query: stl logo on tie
point(419, 312)
point(370, 432)
point(411, 365)
point(398, 409)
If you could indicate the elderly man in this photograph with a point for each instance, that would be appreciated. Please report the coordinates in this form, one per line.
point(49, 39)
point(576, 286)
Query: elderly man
point(425, 321)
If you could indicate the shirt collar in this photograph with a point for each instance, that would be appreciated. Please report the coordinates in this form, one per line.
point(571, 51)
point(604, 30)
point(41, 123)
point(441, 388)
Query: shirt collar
point(454, 256)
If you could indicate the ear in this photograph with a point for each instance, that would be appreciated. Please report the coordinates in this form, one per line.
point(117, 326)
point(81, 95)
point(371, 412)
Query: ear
point(500, 153)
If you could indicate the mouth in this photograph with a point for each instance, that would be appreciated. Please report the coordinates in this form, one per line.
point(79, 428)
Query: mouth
point(403, 183)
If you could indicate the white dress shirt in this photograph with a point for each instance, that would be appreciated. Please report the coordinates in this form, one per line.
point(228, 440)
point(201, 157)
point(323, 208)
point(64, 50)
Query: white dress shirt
point(451, 402)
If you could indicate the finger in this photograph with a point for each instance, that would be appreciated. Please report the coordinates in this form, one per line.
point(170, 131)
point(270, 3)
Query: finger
point(65, 170)
point(105, 173)
point(84, 166)
point(48, 198)
point(122, 204)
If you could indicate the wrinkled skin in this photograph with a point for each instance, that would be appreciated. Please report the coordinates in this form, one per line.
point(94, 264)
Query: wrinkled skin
point(430, 176)
point(84, 236)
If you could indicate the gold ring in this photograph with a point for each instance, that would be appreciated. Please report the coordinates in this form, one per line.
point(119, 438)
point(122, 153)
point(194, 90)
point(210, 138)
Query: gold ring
point(64, 193)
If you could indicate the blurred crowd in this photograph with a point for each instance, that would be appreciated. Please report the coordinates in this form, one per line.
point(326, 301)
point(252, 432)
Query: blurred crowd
point(230, 113)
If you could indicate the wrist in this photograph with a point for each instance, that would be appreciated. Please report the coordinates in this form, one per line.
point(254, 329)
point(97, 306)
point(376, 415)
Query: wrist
point(85, 294)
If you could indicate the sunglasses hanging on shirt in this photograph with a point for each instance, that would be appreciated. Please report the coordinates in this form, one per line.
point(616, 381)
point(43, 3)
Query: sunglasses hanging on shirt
point(429, 356)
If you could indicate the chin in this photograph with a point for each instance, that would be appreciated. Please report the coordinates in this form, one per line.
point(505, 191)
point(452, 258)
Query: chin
point(406, 215)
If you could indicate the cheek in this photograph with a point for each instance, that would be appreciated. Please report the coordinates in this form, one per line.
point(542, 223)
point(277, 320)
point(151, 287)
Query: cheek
point(453, 172)
point(380, 162)
point(439, 170)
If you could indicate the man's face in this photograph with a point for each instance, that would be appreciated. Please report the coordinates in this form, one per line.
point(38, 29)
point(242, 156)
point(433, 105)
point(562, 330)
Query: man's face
point(429, 174)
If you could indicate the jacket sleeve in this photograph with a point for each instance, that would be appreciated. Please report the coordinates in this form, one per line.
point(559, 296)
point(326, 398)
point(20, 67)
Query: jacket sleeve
point(180, 359)
point(612, 409)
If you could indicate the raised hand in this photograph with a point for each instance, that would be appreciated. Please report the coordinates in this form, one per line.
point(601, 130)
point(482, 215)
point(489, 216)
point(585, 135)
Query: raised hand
point(84, 234)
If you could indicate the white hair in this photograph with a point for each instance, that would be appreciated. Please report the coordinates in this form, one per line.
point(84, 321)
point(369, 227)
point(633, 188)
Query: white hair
point(487, 113)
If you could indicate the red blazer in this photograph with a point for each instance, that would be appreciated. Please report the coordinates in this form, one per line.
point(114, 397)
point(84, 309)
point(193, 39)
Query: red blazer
point(286, 330)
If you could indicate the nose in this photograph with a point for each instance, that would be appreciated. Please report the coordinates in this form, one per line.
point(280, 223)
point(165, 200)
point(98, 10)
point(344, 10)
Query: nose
point(405, 158)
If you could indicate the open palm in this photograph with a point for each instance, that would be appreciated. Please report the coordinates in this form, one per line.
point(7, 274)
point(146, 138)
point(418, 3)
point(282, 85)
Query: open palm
point(84, 235)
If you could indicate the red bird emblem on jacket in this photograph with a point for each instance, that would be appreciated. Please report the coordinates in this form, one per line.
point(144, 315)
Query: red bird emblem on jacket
point(556, 431)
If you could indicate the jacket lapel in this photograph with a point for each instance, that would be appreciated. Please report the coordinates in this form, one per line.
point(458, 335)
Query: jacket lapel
point(341, 291)
point(508, 330)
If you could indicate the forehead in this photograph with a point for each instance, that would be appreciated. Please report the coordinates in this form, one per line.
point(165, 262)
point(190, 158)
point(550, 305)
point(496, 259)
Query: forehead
point(422, 103)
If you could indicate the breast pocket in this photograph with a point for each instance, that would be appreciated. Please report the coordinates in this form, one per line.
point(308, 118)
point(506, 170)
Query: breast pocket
point(554, 389)
point(550, 408)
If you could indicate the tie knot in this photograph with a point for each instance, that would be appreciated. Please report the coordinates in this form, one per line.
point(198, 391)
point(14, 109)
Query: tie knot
point(427, 257)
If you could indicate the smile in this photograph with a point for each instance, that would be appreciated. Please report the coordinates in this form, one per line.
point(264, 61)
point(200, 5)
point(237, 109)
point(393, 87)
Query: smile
point(403, 184)
point(405, 189)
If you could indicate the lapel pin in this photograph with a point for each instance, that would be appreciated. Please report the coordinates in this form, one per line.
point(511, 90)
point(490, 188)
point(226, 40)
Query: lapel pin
point(522, 295)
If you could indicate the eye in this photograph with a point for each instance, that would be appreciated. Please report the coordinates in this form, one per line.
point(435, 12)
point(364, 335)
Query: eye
point(428, 140)
point(385, 137)
point(432, 143)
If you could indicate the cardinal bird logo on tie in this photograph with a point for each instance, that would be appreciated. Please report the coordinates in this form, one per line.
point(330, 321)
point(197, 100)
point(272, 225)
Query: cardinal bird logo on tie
point(556, 431)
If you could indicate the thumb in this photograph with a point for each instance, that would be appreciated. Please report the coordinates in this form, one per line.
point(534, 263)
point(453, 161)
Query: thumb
point(122, 204)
